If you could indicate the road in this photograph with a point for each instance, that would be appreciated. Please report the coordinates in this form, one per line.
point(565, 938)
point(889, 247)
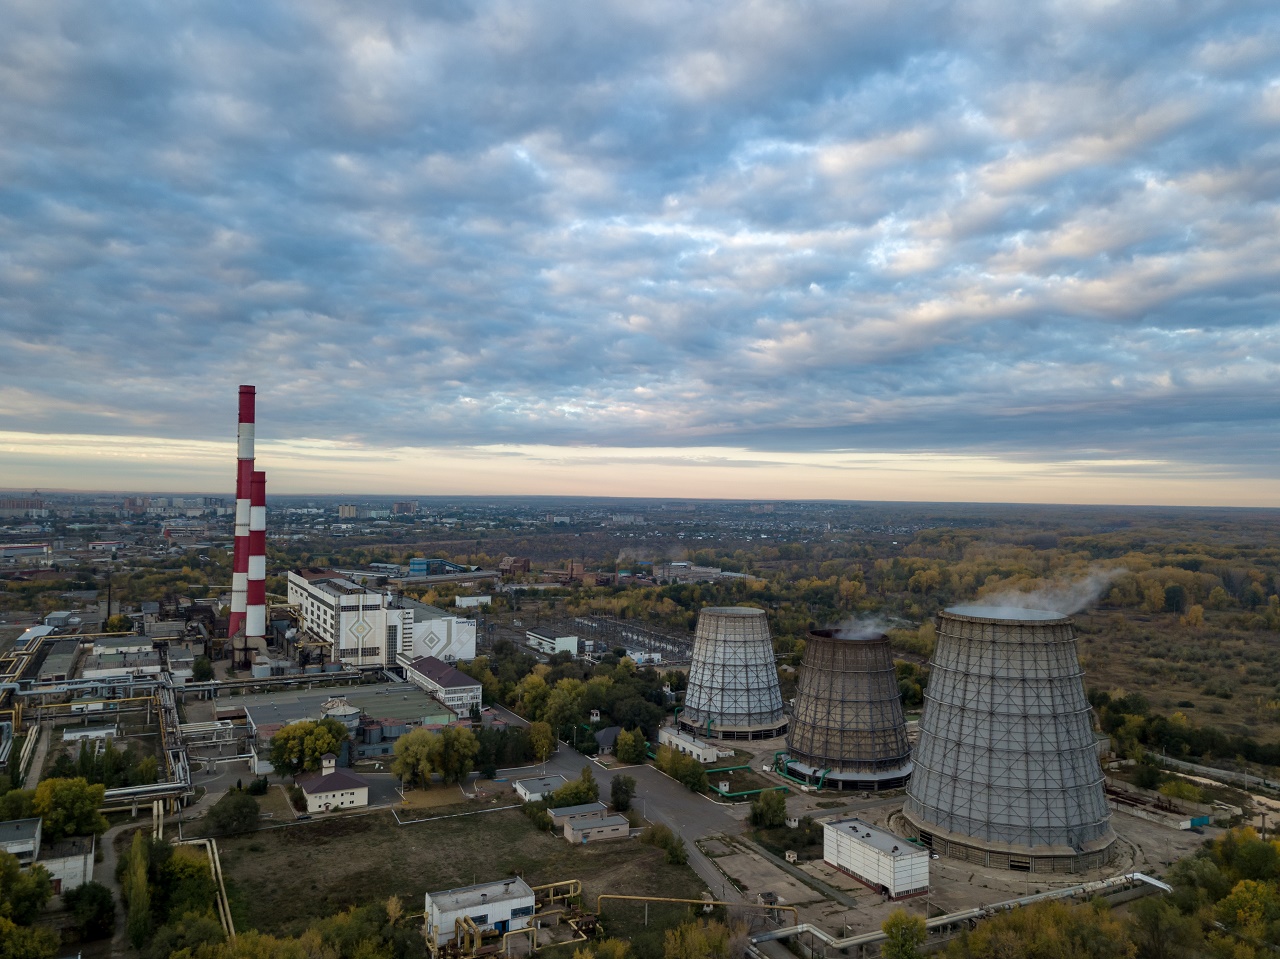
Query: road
point(660, 800)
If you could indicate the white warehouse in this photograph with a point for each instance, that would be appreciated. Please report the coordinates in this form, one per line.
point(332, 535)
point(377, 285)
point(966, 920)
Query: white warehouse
point(878, 859)
point(503, 906)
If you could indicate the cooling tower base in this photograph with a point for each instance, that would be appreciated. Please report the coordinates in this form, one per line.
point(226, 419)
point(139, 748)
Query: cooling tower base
point(850, 780)
point(738, 733)
point(998, 855)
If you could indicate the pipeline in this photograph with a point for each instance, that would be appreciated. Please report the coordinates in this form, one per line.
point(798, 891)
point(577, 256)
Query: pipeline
point(700, 902)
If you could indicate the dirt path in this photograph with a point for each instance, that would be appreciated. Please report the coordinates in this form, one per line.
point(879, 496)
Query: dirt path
point(105, 873)
point(37, 761)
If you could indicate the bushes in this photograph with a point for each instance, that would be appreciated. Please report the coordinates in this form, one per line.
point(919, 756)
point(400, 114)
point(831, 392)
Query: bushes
point(769, 809)
point(662, 837)
point(620, 792)
point(683, 769)
point(236, 812)
point(93, 910)
point(538, 815)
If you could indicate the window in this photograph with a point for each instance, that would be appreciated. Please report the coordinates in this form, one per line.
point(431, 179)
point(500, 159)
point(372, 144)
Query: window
point(393, 639)
point(481, 920)
point(522, 911)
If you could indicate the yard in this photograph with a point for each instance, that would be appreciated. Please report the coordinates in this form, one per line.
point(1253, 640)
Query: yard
point(280, 879)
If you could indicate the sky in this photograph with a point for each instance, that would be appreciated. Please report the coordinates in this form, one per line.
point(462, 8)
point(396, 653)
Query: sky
point(880, 250)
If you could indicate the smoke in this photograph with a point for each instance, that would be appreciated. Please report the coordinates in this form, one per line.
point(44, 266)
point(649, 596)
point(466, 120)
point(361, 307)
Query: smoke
point(1062, 596)
point(867, 627)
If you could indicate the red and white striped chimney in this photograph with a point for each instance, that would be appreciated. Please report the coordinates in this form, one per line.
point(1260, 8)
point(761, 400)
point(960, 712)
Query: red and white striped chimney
point(255, 623)
point(244, 478)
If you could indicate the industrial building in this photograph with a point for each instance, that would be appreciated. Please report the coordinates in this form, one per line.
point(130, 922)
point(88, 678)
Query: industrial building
point(582, 831)
point(503, 906)
point(587, 810)
point(733, 683)
point(848, 730)
point(886, 863)
point(438, 632)
point(550, 641)
point(360, 626)
point(538, 789)
point(451, 686)
point(1006, 770)
point(701, 750)
point(332, 788)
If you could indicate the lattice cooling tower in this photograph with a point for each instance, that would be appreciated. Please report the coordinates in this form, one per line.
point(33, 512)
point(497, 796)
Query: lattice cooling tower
point(733, 681)
point(847, 727)
point(1006, 771)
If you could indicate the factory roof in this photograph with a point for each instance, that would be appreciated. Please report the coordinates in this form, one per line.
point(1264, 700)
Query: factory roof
point(547, 632)
point(422, 611)
point(468, 897)
point(542, 784)
point(34, 633)
point(582, 809)
point(60, 659)
point(878, 839)
point(442, 674)
point(401, 702)
point(19, 830)
point(339, 779)
point(597, 823)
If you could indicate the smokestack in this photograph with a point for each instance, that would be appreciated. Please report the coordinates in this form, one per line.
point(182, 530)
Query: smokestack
point(244, 477)
point(255, 622)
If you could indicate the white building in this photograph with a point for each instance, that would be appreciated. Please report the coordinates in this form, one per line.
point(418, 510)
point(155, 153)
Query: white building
point(451, 686)
point(469, 602)
point(704, 752)
point(332, 788)
point(21, 838)
point(439, 633)
point(503, 906)
point(536, 790)
point(879, 859)
point(587, 810)
point(362, 626)
point(551, 641)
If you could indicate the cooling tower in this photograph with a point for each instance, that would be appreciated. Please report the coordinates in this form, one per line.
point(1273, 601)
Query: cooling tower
point(1006, 770)
point(847, 728)
point(733, 681)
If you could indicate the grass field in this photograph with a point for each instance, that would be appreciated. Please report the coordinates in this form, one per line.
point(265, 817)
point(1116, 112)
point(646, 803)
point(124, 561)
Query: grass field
point(280, 879)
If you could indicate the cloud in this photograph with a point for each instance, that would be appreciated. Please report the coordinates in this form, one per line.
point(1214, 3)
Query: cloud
point(924, 228)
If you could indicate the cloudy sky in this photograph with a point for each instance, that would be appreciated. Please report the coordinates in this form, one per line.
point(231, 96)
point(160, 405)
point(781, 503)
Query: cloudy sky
point(879, 250)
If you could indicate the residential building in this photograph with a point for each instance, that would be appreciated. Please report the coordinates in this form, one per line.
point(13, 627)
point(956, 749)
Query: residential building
point(536, 790)
point(502, 907)
point(886, 863)
point(551, 641)
point(580, 831)
point(331, 788)
point(451, 686)
point(362, 627)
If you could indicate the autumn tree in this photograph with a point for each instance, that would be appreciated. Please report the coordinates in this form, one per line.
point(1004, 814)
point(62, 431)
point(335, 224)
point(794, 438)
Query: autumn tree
point(455, 753)
point(297, 748)
point(904, 935)
point(630, 747)
point(769, 809)
point(542, 739)
point(69, 807)
point(23, 894)
point(415, 757)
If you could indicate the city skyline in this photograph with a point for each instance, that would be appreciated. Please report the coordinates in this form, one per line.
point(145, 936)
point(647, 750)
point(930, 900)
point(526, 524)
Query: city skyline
point(920, 252)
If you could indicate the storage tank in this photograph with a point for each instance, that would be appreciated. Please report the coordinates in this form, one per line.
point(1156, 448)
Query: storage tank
point(847, 726)
point(1006, 771)
point(733, 682)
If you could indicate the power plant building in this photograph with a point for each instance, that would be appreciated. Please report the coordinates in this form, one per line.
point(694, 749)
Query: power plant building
point(848, 730)
point(733, 681)
point(1006, 770)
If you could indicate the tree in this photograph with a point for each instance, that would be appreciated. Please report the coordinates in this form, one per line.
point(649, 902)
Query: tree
point(69, 807)
point(118, 624)
point(1159, 930)
point(415, 754)
point(17, 803)
point(93, 910)
point(904, 933)
point(298, 747)
point(630, 747)
point(236, 812)
point(456, 749)
point(202, 669)
point(543, 740)
point(137, 891)
point(22, 894)
point(769, 809)
point(620, 792)
point(19, 942)
point(703, 939)
point(584, 789)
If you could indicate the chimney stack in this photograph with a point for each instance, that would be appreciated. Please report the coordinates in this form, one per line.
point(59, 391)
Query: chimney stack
point(256, 593)
point(240, 556)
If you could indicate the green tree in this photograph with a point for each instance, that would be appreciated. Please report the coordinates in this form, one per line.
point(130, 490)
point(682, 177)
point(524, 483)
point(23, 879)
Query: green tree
point(20, 942)
point(769, 809)
point(137, 891)
point(630, 747)
point(543, 740)
point(621, 791)
point(23, 894)
point(415, 755)
point(118, 624)
point(297, 748)
point(236, 812)
point(93, 910)
point(202, 669)
point(703, 939)
point(456, 749)
point(69, 807)
point(17, 803)
point(1160, 931)
point(584, 789)
point(905, 933)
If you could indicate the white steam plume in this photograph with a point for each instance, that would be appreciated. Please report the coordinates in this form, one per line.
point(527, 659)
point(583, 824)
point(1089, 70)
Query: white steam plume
point(866, 627)
point(1063, 596)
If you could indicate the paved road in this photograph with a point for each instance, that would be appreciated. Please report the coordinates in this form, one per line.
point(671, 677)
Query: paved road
point(37, 761)
point(660, 799)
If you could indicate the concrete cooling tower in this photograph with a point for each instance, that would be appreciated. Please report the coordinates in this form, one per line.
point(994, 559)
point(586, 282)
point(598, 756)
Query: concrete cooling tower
point(1006, 770)
point(847, 727)
point(733, 681)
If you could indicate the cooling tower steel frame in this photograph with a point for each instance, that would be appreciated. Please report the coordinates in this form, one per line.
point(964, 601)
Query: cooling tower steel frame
point(733, 679)
point(1006, 770)
point(848, 730)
